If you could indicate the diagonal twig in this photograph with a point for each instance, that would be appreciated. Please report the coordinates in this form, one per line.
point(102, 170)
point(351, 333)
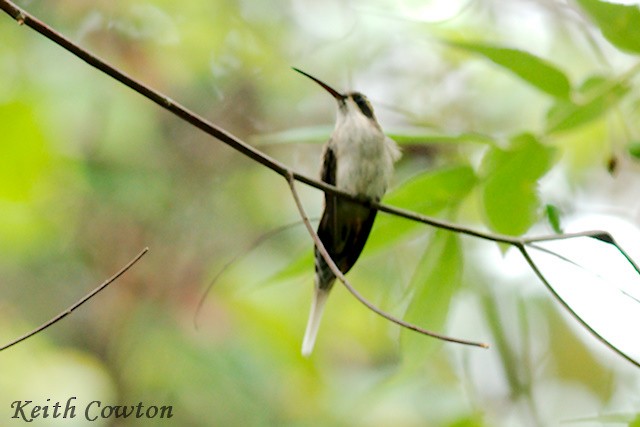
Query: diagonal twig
point(73, 307)
point(353, 291)
point(24, 18)
point(257, 242)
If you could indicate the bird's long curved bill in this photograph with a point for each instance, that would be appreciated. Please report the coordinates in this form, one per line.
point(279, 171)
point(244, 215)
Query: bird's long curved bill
point(332, 91)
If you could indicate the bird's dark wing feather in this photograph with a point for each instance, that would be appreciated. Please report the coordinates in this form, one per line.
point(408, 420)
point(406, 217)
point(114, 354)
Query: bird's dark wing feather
point(329, 165)
point(344, 235)
point(328, 174)
point(344, 227)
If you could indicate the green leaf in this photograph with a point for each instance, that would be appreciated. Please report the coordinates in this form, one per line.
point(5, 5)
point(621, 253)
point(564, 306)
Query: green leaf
point(509, 197)
point(24, 155)
point(26, 163)
point(300, 265)
point(536, 71)
point(416, 136)
point(404, 135)
point(432, 191)
point(600, 94)
point(634, 149)
point(573, 357)
point(307, 134)
point(553, 216)
point(427, 193)
point(618, 23)
point(436, 279)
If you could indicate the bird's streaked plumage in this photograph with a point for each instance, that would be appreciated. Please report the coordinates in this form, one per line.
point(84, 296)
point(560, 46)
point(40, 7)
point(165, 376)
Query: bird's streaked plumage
point(358, 159)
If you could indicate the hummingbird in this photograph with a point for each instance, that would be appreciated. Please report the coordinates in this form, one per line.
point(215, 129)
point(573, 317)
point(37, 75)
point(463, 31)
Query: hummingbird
point(357, 159)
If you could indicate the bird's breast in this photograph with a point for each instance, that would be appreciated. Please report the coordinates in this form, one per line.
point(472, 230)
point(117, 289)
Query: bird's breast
point(364, 162)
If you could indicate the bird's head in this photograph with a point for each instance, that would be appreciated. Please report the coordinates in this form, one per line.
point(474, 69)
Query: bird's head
point(348, 103)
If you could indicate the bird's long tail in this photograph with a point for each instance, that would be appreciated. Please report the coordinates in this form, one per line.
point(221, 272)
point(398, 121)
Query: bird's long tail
point(317, 308)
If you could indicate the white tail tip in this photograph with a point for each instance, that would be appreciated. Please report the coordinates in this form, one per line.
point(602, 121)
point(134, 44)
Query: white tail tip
point(317, 308)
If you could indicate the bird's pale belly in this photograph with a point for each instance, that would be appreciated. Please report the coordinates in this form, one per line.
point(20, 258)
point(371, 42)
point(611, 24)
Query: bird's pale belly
point(364, 177)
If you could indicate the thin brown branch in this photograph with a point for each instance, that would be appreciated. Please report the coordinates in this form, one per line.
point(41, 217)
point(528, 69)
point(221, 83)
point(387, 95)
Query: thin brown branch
point(24, 18)
point(257, 242)
point(84, 299)
point(336, 271)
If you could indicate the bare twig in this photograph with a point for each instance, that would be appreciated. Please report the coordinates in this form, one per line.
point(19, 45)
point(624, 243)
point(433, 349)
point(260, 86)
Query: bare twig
point(84, 299)
point(257, 242)
point(222, 135)
point(24, 18)
point(353, 291)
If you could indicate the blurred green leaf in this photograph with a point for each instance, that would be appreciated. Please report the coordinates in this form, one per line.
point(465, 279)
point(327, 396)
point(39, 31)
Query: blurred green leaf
point(572, 356)
point(619, 23)
point(427, 193)
point(432, 191)
point(553, 216)
point(600, 95)
point(471, 421)
point(509, 196)
point(436, 279)
point(634, 149)
point(307, 134)
point(534, 70)
point(24, 155)
point(320, 134)
point(25, 163)
point(201, 370)
point(415, 136)
point(302, 264)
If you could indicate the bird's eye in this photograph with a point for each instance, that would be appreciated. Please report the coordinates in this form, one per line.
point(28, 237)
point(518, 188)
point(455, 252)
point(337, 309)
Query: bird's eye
point(363, 105)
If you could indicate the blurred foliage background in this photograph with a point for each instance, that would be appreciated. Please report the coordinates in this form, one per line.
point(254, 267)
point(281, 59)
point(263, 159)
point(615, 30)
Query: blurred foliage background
point(515, 117)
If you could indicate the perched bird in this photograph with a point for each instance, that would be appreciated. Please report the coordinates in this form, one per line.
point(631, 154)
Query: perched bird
point(358, 159)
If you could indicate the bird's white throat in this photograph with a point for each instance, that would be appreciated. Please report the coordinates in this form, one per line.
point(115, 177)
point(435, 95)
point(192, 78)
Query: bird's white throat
point(365, 155)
